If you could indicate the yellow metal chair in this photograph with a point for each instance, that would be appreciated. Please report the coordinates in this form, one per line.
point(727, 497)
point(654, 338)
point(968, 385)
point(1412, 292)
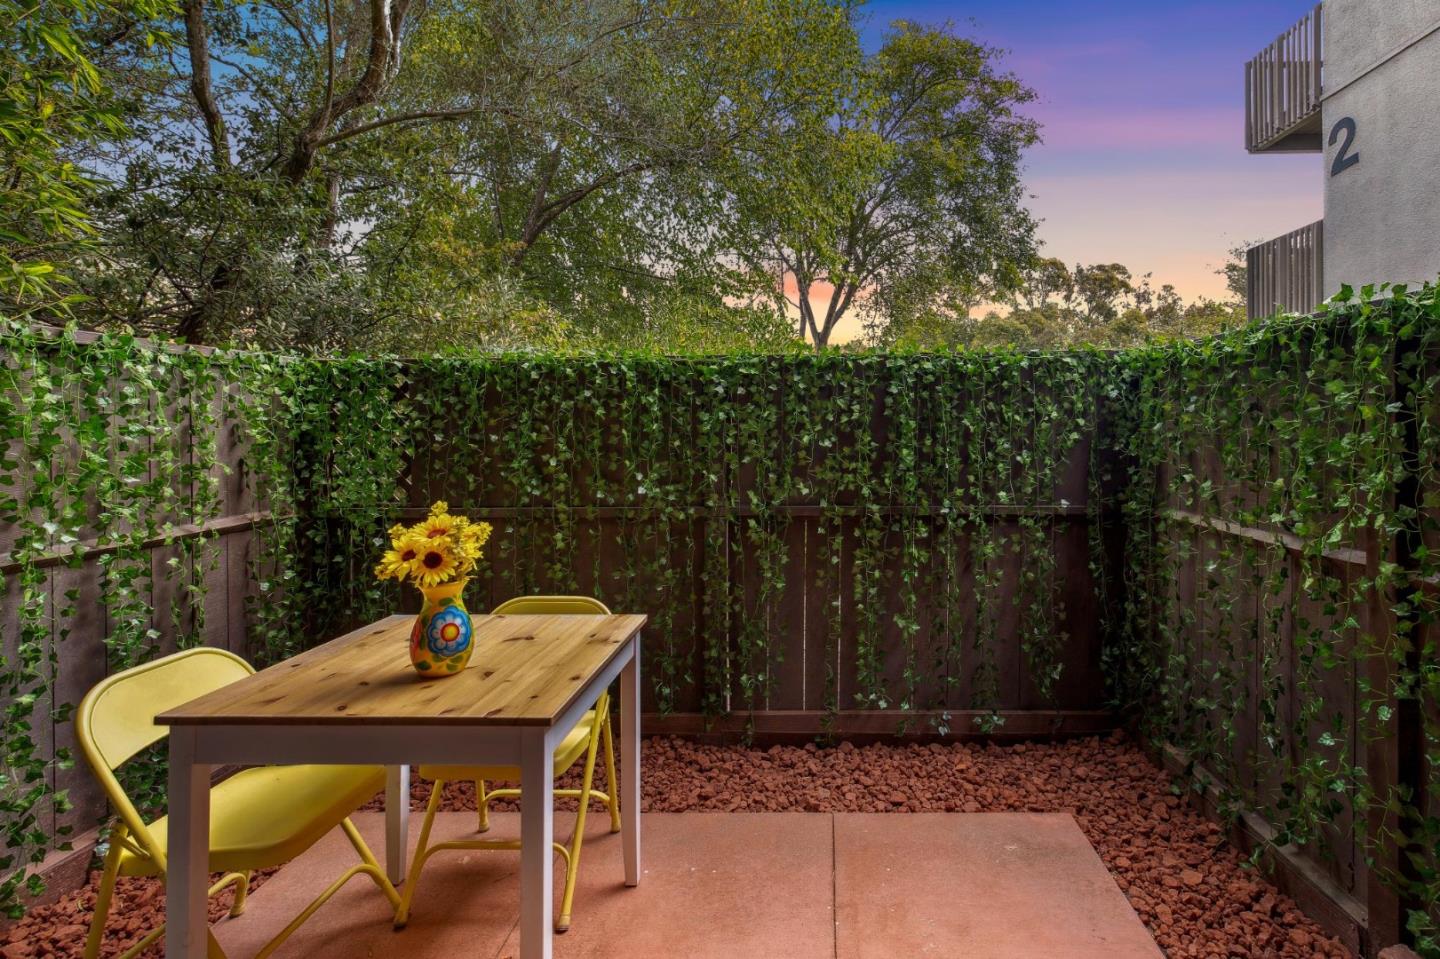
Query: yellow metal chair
point(259, 817)
point(585, 739)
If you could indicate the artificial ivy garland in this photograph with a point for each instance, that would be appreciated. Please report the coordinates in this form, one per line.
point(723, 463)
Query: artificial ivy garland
point(667, 483)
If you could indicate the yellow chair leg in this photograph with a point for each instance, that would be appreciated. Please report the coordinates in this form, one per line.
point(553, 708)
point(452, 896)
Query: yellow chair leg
point(368, 866)
point(612, 788)
point(422, 852)
point(482, 804)
point(241, 881)
point(373, 870)
point(572, 864)
point(212, 947)
point(242, 890)
point(145, 943)
point(106, 893)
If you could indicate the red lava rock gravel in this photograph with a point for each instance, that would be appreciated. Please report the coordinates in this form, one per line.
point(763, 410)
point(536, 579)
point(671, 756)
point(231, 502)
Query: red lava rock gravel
point(138, 906)
point(1184, 880)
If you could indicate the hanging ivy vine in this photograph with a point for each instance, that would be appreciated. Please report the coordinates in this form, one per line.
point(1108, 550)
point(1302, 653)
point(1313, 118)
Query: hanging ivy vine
point(1256, 514)
point(1281, 577)
point(111, 478)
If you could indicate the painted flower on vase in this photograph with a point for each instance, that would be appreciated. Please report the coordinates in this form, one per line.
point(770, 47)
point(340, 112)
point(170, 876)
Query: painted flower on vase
point(448, 632)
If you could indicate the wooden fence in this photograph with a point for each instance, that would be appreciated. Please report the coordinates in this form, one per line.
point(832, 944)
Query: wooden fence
point(194, 566)
point(200, 581)
point(170, 561)
point(1288, 652)
point(807, 610)
point(805, 657)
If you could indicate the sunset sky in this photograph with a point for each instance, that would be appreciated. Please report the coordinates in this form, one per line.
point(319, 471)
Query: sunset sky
point(1141, 106)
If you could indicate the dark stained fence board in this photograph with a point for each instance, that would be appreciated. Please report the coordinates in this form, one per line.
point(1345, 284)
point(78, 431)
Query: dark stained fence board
point(1081, 683)
point(792, 675)
point(1334, 687)
point(82, 664)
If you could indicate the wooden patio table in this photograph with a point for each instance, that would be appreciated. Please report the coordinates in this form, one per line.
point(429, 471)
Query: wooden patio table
point(356, 699)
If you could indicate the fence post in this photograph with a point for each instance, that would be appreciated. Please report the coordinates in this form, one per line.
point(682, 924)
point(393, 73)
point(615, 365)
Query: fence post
point(1381, 757)
point(1409, 504)
point(1395, 749)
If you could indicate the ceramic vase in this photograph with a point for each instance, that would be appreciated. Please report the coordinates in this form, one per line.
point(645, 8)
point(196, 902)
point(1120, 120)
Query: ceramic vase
point(443, 638)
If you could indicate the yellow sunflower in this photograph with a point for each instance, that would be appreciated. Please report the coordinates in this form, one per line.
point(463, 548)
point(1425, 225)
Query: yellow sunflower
point(473, 537)
point(439, 549)
point(436, 563)
point(398, 562)
point(438, 524)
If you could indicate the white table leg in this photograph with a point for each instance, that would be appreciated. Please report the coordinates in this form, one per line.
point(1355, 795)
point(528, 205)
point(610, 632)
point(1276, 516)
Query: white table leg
point(187, 869)
point(397, 820)
point(537, 829)
point(630, 770)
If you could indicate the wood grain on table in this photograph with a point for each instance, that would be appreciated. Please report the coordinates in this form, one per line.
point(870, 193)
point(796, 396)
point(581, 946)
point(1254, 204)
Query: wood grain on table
point(526, 671)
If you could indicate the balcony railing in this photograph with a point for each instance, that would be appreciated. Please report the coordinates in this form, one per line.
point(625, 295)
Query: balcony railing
point(1282, 91)
point(1286, 273)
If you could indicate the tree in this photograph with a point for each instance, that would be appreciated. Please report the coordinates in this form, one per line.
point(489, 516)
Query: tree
point(1235, 270)
point(306, 167)
point(600, 194)
point(1096, 305)
point(52, 97)
point(1042, 281)
point(908, 199)
point(1103, 289)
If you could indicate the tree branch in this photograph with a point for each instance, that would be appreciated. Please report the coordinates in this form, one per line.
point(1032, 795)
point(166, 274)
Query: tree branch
point(329, 57)
point(458, 113)
point(537, 202)
point(381, 64)
point(565, 201)
point(197, 41)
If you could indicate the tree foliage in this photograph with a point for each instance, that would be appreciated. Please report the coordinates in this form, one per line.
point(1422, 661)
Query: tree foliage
point(907, 199)
point(53, 102)
point(1103, 304)
point(337, 175)
point(422, 175)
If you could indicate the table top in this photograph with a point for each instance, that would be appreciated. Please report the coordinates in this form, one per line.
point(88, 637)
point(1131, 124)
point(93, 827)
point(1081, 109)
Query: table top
point(526, 671)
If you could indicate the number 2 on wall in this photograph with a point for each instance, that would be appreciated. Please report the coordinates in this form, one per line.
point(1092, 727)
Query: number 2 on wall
point(1344, 159)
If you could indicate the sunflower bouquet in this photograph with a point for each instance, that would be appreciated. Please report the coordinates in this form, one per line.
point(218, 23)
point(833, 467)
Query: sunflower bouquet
point(440, 549)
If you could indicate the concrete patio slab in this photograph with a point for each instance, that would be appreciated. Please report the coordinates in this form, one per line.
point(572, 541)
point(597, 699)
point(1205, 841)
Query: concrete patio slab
point(469, 901)
point(983, 885)
point(711, 886)
point(739, 886)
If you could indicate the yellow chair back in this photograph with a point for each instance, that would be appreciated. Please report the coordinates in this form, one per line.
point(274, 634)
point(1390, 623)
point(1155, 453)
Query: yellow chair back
point(554, 605)
point(116, 719)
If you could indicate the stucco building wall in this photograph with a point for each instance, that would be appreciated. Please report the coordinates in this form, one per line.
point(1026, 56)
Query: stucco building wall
point(1382, 71)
